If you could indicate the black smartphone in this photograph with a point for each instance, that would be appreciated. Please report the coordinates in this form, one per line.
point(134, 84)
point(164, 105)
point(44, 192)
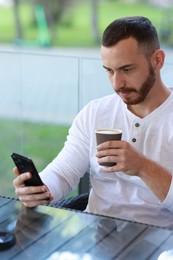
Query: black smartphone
point(25, 164)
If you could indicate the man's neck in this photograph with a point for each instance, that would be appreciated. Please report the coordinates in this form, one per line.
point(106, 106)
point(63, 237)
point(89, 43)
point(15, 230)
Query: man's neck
point(152, 102)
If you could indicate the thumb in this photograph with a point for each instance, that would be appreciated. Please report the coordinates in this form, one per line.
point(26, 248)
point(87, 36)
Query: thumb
point(15, 170)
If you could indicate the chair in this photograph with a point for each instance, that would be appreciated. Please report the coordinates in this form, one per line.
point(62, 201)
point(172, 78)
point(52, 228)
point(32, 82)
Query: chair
point(80, 201)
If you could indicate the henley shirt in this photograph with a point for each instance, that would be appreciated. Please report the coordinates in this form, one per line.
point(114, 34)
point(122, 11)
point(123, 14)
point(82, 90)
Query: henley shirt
point(116, 194)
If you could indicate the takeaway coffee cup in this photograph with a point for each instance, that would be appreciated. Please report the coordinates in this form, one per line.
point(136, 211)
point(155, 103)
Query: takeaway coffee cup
point(104, 135)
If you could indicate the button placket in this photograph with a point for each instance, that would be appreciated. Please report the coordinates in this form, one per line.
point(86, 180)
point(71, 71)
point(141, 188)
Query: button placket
point(137, 125)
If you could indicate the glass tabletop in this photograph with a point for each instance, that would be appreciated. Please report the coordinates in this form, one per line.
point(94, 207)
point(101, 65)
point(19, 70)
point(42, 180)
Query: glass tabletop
point(52, 233)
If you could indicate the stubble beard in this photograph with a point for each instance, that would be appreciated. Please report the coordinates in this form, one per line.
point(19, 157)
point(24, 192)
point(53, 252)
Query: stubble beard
point(143, 91)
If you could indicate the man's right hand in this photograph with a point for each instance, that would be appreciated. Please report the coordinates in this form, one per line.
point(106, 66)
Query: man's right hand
point(30, 196)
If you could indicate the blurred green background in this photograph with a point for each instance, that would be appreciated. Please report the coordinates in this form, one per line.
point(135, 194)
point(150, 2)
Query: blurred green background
point(73, 22)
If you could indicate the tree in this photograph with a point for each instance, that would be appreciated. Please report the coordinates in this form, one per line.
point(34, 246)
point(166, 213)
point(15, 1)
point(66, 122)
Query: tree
point(18, 25)
point(53, 10)
point(94, 21)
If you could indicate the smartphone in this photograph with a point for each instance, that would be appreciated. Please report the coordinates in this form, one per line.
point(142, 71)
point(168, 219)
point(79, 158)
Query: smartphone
point(25, 164)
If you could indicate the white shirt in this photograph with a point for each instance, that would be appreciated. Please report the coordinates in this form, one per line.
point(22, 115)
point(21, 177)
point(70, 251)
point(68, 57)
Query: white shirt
point(116, 194)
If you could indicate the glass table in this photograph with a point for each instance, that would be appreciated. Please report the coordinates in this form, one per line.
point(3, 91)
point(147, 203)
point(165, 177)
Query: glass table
point(52, 233)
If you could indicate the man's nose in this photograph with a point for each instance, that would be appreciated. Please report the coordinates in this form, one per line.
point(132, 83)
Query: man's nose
point(117, 81)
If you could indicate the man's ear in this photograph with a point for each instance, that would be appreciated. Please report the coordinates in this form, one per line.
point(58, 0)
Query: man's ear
point(158, 58)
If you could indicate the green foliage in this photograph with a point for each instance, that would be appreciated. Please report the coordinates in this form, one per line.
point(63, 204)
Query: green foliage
point(6, 25)
point(117, 9)
point(41, 142)
point(80, 33)
point(166, 30)
point(75, 26)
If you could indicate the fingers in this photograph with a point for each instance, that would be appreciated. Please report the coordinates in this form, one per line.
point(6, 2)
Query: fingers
point(126, 158)
point(114, 154)
point(108, 161)
point(34, 196)
point(21, 178)
point(110, 144)
point(108, 152)
point(33, 200)
point(35, 203)
point(108, 156)
point(31, 196)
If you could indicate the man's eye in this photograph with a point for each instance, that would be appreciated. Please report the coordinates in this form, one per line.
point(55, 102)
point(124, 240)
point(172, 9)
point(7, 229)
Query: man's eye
point(109, 70)
point(126, 70)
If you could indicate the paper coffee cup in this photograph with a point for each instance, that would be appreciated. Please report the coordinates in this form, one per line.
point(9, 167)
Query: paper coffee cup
point(104, 135)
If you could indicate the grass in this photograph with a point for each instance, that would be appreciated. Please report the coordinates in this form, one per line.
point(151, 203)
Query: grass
point(75, 27)
point(41, 142)
point(117, 10)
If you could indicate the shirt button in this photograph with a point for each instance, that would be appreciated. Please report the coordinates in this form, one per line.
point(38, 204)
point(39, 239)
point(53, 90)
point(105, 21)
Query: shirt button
point(137, 124)
point(134, 140)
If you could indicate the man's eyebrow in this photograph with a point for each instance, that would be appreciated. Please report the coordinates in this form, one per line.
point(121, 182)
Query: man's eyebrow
point(121, 67)
point(126, 66)
point(105, 67)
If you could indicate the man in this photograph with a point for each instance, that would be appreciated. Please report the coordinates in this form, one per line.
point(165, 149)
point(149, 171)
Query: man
point(139, 186)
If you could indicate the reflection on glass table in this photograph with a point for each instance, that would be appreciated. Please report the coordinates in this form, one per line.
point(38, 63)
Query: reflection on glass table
point(52, 233)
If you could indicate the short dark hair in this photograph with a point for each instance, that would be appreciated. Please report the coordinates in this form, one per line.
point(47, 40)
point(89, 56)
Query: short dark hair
point(138, 27)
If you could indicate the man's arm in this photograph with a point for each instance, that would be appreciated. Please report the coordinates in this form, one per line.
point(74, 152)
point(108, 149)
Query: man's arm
point(156, 177)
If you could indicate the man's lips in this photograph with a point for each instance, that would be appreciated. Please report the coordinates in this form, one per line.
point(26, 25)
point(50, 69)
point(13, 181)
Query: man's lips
point(125, 93)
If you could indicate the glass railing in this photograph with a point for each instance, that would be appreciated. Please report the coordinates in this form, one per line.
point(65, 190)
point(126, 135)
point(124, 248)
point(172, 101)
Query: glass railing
point(40, 96)
point(39, 99)
point(94, 82)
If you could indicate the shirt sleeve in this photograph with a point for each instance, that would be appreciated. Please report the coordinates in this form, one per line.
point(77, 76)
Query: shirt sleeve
point(64, 172)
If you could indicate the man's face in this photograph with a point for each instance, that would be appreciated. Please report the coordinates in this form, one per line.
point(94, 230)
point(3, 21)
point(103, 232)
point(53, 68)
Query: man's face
point(131, 74)
point(141, 92)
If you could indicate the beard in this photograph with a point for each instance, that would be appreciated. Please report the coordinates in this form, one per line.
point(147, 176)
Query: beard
point(143, 91)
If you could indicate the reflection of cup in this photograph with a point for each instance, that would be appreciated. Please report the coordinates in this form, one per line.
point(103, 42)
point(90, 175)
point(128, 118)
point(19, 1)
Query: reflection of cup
point(104, 135)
